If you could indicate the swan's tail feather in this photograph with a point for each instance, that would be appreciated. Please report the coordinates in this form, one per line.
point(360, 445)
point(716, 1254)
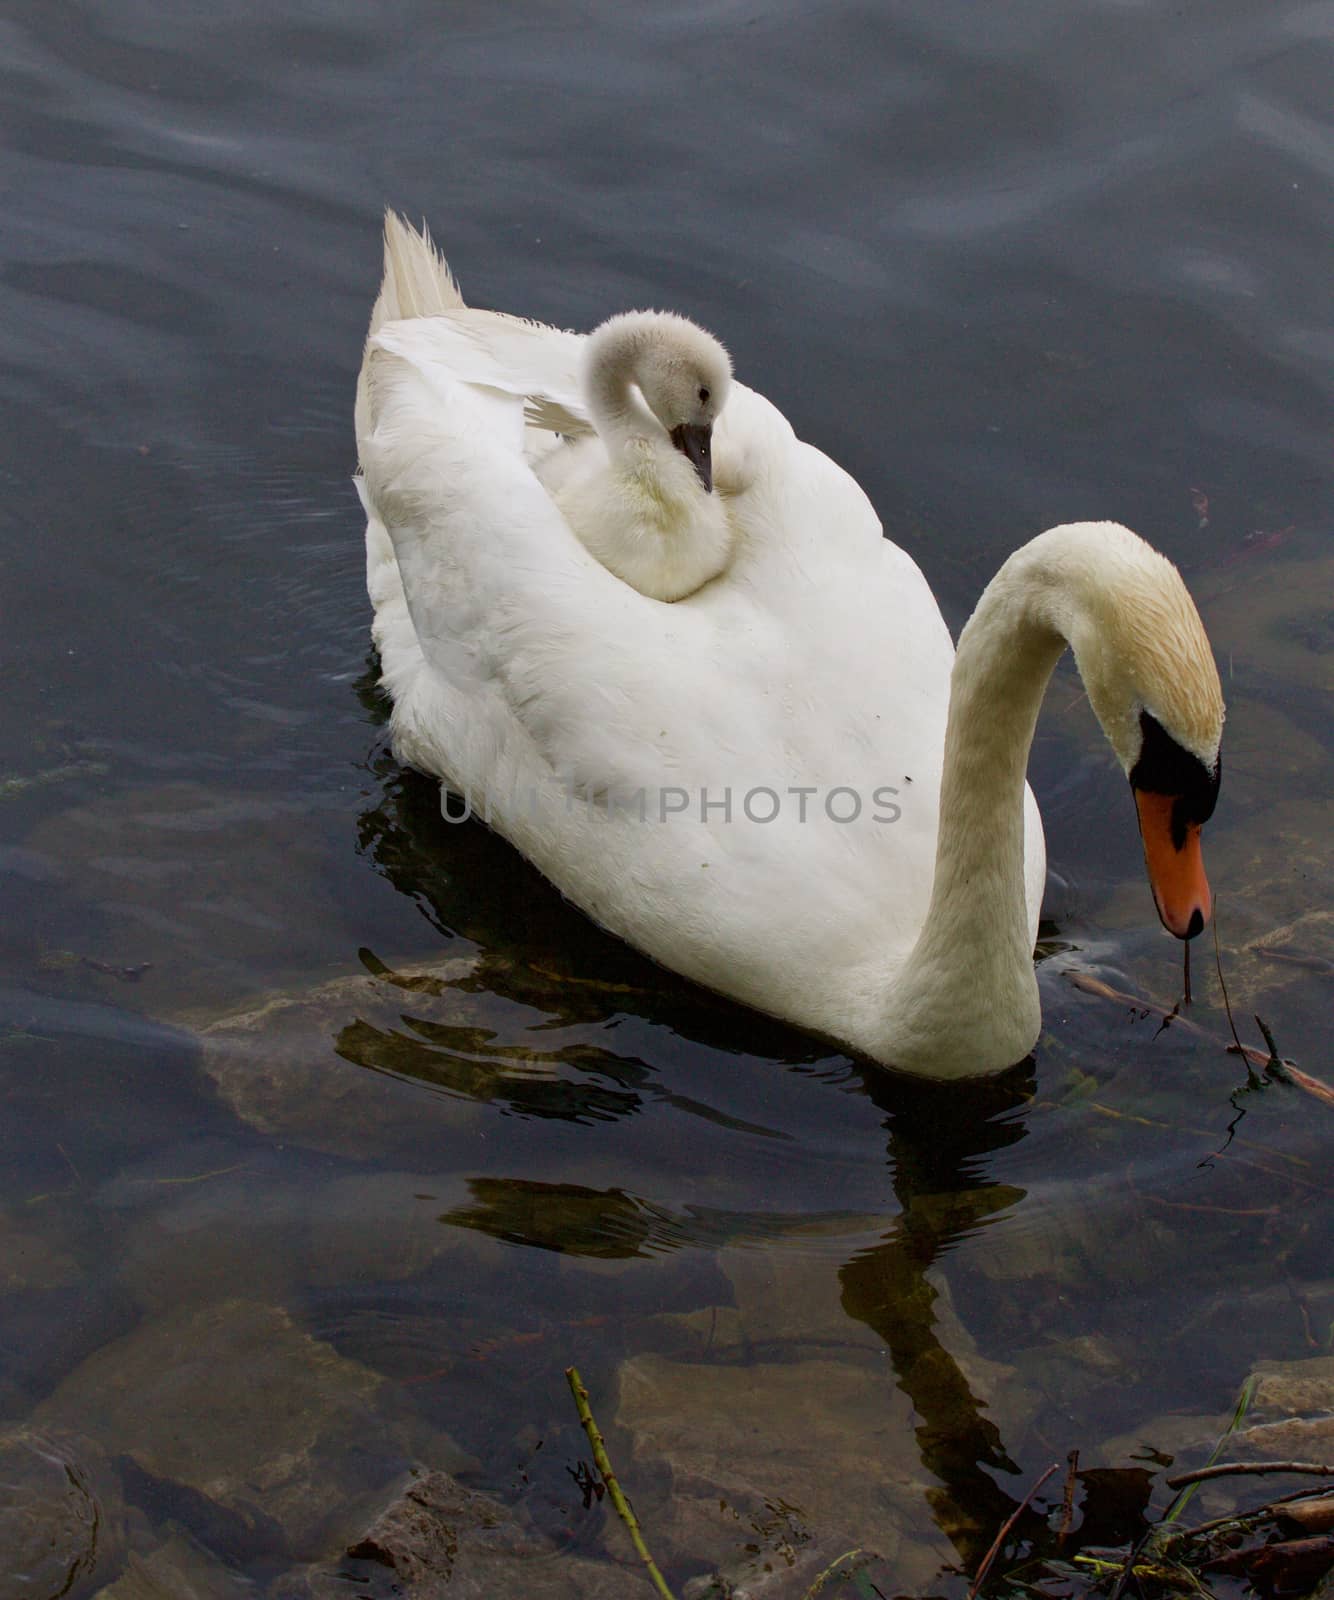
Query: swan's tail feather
point(417, 282)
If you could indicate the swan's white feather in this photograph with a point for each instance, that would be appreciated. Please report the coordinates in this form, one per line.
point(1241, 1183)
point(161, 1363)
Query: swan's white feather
point(526, 674)
point(528, 360)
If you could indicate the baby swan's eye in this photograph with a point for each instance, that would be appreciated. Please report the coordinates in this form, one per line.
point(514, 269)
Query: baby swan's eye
point(704, 394)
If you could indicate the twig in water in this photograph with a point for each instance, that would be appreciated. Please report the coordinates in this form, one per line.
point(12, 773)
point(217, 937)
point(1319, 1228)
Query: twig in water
point(1285, 1072)
point(1091, 985)
point(195, 1177)
point(1275, 1062)
point(1313, 1086)
point(1128, 1567)
point(828, 1573)
point(618, 1499)
point(1285, 1505)
point(1068, 1501)
point(1010, 1521)
point(78, 1176)
point(1185, 976)
point(1316, 1087)
point(1311, 963)
point(1227, 1004)
point(1227, 1469)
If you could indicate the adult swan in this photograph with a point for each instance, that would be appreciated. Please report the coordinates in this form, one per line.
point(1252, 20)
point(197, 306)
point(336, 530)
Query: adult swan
point(787, 787)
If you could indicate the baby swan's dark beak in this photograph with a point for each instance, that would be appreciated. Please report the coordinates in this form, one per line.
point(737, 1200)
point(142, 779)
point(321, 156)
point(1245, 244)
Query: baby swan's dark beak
point(692, 440)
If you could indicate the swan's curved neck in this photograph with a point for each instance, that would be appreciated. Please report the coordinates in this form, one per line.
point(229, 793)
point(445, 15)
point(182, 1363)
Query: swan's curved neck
point(966, 1000)
point(618, 413)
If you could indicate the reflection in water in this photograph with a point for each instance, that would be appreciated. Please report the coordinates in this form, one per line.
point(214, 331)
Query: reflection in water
point(468, 1061)
point(609, 1223)
point(940, 1139)
point(605, 1224)
point(939, 1136)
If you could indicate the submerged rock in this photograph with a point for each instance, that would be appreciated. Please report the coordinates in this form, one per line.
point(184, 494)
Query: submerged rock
point(177, 1570)
point(437, 1540)
point(839, 1404)
point(282, 1237)
point(60, 1513)
point(794, 1575)
point(1293, 1388)
point(287, 1067)
point(776, 1469)
point(341, 1067)
point(256, 1436)
point(1291, 1417)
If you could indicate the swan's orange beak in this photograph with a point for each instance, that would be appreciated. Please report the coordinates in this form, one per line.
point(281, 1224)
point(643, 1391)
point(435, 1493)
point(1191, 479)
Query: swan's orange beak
point(1176, 871)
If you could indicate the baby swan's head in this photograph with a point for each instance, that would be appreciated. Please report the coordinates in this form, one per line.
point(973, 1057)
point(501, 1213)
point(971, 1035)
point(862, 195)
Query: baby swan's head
point(682, 372)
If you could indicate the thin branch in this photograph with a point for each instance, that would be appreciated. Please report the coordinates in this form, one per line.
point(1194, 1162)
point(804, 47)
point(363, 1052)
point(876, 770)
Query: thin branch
point(1128, 1570)
point(1275, 1062)
point(1246, 1521)
point(1068, 1499)
point(1010, 1521)
point(1222, 984)
point(618, 1499)
point(1313, 1086)
point(78, 1176)
point(1311, 963)
point(1086, 982)
point(1091, 985)
point(828, 1572)
point(1226, 1469)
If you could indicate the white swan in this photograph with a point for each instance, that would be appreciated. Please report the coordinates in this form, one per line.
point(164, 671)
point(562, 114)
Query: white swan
point(639, 493)
point(620, 424)
point(634, 751)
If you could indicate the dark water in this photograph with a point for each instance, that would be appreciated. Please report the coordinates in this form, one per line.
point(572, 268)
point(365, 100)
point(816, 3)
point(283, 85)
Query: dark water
point(1011, 266)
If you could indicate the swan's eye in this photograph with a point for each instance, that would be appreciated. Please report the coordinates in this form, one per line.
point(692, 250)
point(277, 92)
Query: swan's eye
point(704, 394)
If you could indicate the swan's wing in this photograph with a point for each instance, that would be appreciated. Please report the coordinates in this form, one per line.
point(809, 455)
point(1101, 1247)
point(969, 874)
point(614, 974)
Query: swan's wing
point(505, 600)
point(490, 350)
